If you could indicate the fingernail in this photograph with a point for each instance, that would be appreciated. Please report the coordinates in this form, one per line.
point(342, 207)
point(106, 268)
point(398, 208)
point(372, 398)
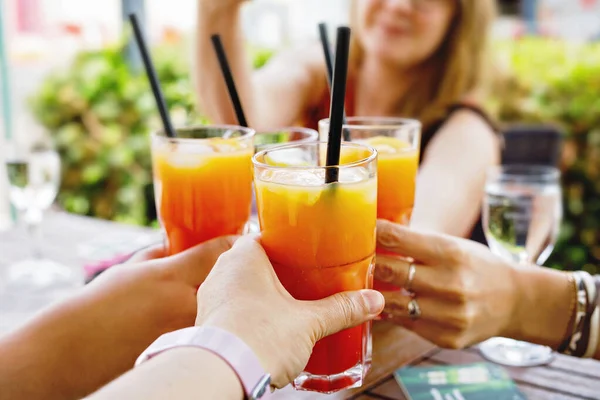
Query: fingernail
point(374, 300)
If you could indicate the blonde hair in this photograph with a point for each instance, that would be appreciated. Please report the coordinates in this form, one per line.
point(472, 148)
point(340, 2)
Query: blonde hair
point(456, 69)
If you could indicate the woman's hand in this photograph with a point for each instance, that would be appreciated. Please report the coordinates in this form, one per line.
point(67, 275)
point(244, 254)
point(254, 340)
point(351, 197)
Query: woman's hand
point(243, 295)
point(82, 343)
point(465, 293)
point(160, 290)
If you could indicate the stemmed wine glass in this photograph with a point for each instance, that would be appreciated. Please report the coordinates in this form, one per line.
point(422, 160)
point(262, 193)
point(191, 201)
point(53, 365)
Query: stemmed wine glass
point(34, 177)
point(522, 212)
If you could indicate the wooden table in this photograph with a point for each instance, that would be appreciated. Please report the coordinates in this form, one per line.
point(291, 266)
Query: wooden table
point(65, 235)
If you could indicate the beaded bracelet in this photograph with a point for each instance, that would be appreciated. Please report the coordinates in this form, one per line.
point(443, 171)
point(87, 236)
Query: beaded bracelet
point(595, 324)
point(584, 343)
point(584, 337)
point(594, 331)
point(591, 326)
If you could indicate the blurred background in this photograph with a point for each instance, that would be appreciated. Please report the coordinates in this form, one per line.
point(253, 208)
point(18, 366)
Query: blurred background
point(69, 77)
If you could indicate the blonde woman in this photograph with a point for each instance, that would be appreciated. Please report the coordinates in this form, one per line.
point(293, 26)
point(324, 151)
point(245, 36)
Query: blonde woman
point(422, 59)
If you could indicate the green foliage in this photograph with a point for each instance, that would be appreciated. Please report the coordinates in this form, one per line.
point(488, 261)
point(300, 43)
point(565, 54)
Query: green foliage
point(260, 57)
point(100, 115)
point(559, 82)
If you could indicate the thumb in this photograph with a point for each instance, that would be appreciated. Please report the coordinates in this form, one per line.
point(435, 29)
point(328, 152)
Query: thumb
point(194, 264)
point(345, 310)
point(151, 252)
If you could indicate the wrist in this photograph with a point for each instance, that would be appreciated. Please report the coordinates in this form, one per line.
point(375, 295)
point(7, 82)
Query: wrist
point(543, 306)
point(222, 343)
point(198, 362)
point(512, 326)
point(261, 350)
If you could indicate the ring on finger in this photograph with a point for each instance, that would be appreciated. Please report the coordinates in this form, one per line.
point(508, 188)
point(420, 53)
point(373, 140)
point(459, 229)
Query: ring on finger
point(414, 311)
point(412, 270)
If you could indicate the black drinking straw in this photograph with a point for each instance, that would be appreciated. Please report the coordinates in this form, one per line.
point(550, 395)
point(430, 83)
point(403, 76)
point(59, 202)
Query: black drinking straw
point(326, 51)
point(329, 63)
point(228, 76)
point(338, 94)
point(151, 72)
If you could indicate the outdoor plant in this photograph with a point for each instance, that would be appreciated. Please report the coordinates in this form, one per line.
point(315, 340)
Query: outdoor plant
point(549, 81)
point(100, 114)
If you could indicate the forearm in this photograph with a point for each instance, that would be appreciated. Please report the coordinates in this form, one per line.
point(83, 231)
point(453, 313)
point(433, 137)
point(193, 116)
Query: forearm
point(186, 373)
point(544, 306)
point(441, 207)
point(75, 347)
point(36, 361)
point(224, 19)
point(66, 351)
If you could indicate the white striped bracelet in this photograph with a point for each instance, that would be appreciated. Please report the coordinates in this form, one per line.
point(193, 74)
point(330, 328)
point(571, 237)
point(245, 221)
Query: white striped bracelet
point(583, 341)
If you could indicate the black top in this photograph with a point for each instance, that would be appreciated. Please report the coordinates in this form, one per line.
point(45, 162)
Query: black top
point(477, 233)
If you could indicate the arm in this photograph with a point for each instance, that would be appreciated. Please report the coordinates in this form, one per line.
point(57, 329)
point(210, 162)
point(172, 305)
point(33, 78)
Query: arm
point(539, 317)
point(243, 283)
point(184, 373)
point(274, 96)
point(544, 318)
point(448, 199)
point(80, 344)
point(467, 294)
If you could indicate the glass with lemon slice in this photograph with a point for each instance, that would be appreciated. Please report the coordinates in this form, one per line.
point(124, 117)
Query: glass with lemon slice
point(397, 141)
point(202, 183)
point(267, 139)
point(320, 238)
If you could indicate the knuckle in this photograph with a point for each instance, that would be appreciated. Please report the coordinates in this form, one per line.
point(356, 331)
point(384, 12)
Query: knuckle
point(395, 306)
point(321, 327)
point(460, 321)
point(449, 339)
point(384, 271)
point(460, 290)
point(459, 297)
point(453, 252)
point(449, 342)
point(162, 273)
point(386, 235)
point(348, 309)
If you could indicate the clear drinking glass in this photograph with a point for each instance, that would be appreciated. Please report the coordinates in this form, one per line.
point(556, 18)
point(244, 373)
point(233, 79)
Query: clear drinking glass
point(320, 238)
point(34, 178)
point(397, 141)
point(202, 183)
point(522, 211)
point(278, 137)
point(265, 139)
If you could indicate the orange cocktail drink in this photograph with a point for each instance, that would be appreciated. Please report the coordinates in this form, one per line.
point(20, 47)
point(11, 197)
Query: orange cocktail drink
point(320, 239)
point(397, 142)
point(202, 183)
point(282, 136)
point(279, 137)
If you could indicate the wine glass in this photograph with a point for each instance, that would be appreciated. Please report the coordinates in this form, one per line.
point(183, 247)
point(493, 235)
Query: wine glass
point(34, 177)
point(522, 211)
